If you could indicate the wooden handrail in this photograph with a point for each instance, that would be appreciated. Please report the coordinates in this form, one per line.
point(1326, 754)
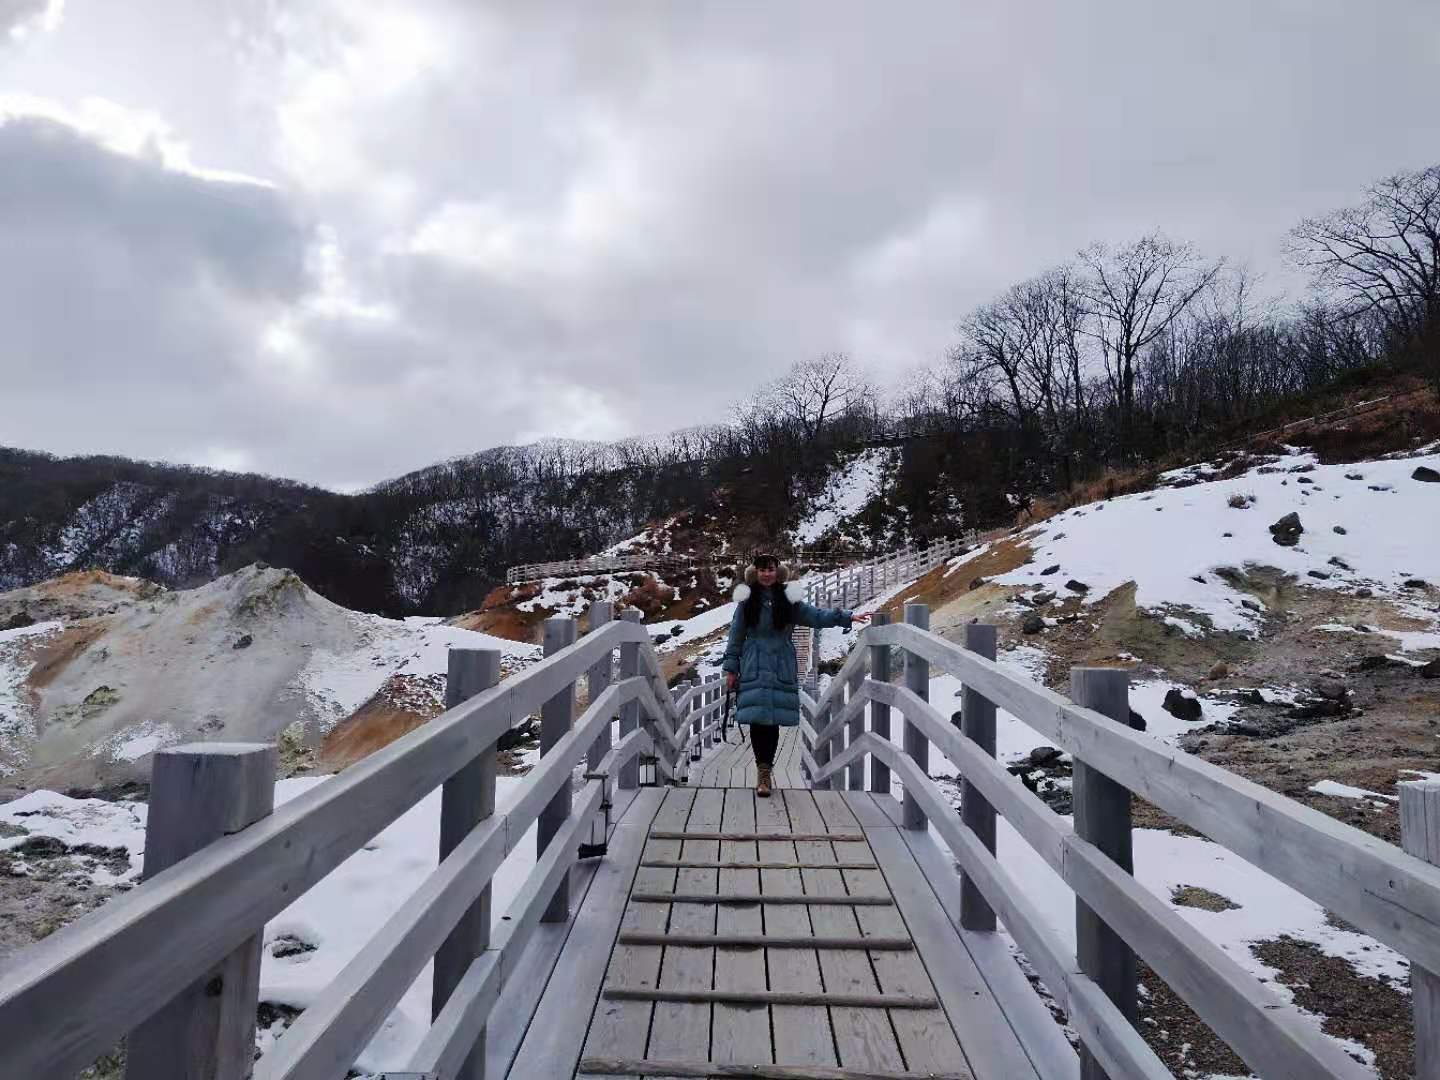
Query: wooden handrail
point(1392, 895)
point(69, 998)
point(1270, 1035)
point(1388, 894)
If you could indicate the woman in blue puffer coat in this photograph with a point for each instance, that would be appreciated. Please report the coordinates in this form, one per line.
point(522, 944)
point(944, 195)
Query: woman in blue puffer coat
point(760, 655)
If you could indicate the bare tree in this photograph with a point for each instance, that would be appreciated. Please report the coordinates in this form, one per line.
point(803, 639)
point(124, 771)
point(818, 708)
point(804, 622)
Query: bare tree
point(1133, 295)
point(1382, 256)
point(815, 391)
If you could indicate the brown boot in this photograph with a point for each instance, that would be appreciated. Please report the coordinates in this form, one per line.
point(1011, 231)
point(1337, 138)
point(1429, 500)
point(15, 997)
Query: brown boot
point(763, 787)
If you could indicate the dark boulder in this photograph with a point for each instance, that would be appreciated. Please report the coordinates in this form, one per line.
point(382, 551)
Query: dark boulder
point(1286, 532)
point(1425, 474)
point(244, 641)
point(1050, 570)
point(1033, 624)
point(1077, 586)
point(1181, 705)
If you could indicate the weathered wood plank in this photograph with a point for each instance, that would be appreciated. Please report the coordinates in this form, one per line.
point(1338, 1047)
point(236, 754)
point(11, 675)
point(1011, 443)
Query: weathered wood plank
point(817, 834)
point(917, 681)
point(452, 1036)
point(802, 1034)
point(681, 1025)
point(553, 1041)
point(717, 1071)
point(864, 1036)
point(978, 725)
point(673, 996)
point(201, 792)
point(863, 806)
point(719, 898)
point(1102, 817)
point(805, 817)
point(1007, 1023)
point(621, 1029)
point(1420, 835)
point(765, 941)
point(748, 864)
point(741, 1034)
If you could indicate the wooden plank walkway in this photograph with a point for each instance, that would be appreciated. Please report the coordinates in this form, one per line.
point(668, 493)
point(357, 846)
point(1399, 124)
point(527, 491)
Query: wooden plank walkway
point(701, 987)
point(732, 764)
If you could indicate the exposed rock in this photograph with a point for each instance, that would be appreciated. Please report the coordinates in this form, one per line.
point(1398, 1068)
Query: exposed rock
point(1329, 688)
point(1042, 597)
point(1430, 670)
point(1304, 480)
point(1354, 476)
point(1251, 605)
point(1415, 583)
point(1317, 574)
point(1426, 474)
point(1181, 705)
point(1286, 532)
point(1335, 560)
point(1033, 624)
point(1364, 592)
point(1381, 487)
point(1137, 722)
point(1197, 897)
point(21, 618)
point(978, 582)
point(244, 641)
point(1077, 586)
point(1044, 755)
point(1050, 570)
point(1338, 529)
point(288, 945)
point(1220, 671)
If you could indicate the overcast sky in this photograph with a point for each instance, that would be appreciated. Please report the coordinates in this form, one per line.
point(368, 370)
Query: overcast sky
point(337, 240)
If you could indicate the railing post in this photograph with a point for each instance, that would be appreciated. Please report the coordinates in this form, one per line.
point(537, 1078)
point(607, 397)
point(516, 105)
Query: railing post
point(597, 680)
point(466, 799)
point(917, 679)
point(1420, 836)
point(1102, 816)
point(880, 712)
point(199, 793)
point(856, 780)
point(821, 750)
point(692, 710)
point(630, 712)
point(556, 717)
point(977, 723)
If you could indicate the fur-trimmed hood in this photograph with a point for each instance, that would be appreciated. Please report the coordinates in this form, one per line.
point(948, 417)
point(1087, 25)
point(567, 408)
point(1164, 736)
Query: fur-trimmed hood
point(781, 577)
point(794, 591)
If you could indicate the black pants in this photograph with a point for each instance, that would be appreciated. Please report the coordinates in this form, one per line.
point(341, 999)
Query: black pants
point(764, 738)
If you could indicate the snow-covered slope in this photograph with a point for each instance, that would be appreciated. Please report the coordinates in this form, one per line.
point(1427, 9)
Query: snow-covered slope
point(1369, 525)
point(124, 668)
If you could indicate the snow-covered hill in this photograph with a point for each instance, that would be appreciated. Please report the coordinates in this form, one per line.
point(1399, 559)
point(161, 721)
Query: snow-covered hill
point(111, 669)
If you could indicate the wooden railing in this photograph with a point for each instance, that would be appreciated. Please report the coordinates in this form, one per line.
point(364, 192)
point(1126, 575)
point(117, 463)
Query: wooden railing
point(854, 585)
point(595, 564)
point(219, 865)
point(1383, 891)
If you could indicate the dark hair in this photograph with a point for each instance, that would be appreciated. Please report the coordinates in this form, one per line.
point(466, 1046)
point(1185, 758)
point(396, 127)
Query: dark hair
point(763, 560)
point(779, 607)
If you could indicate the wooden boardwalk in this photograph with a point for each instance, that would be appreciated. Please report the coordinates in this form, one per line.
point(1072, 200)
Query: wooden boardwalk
point(789, 932)
point(732, 764)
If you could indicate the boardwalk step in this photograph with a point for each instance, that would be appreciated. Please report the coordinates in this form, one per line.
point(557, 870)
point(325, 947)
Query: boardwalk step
point(753, 898)
point(766, 941)
point(659, 834)
point(714, 1070)
point(697, 864)
point(772, 997)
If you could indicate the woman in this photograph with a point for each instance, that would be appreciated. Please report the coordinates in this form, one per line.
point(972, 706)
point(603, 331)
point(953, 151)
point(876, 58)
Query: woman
point(760, 655)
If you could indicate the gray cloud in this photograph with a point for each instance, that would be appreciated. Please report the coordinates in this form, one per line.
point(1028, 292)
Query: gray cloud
point(496, 221)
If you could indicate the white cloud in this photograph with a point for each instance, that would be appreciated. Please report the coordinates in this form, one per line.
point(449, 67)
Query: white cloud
point(23, 19)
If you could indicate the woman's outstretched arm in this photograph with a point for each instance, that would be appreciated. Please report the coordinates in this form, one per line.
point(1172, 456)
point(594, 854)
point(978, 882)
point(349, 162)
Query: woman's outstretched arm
point(819, 618)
